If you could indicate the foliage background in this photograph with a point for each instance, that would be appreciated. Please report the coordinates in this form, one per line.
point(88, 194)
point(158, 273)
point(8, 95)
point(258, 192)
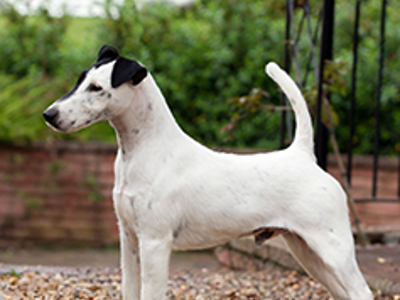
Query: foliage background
point(202, 56)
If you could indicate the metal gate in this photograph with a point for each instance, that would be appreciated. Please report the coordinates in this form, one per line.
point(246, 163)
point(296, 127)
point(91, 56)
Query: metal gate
point(326, 34)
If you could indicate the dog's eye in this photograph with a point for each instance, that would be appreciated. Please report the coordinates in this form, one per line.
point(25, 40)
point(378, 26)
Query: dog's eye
point(94, 88)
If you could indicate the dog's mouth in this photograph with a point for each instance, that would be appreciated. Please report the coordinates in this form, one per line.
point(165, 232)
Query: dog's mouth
point(53, 120)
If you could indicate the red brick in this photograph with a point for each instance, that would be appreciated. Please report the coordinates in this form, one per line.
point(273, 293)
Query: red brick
point(45, 194)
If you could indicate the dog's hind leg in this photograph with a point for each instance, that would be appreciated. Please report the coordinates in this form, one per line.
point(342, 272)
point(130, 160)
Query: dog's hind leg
point(331, 261)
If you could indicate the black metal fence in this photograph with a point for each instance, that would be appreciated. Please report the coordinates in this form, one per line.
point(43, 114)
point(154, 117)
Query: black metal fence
point(326, 34)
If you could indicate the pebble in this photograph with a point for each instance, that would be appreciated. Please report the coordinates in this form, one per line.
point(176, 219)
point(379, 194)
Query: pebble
point(224, 284)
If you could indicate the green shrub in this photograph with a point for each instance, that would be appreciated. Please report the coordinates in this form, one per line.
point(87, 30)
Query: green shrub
point(30, 43)
point(20, 120)
point(367, 76)
point(38, 65)
point(202, 56)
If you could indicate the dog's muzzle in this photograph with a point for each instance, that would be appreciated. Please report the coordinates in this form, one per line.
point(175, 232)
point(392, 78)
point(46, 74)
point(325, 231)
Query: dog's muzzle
point(51, 116)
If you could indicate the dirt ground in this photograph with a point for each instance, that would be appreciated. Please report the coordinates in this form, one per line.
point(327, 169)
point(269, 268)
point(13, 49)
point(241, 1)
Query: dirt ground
point(98, 258)
point(377, 260)
point(381, 262)
point(193, 275)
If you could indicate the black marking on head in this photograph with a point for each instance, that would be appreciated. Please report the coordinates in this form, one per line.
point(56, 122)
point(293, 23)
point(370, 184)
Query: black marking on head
point(94, 88)
point(106, 55)
point(81, 78)
point(125, 70)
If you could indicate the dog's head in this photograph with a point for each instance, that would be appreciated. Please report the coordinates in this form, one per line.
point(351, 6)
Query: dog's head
point(98, 94)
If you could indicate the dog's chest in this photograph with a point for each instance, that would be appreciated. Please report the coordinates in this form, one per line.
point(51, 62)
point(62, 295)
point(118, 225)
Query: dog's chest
point(123, 199)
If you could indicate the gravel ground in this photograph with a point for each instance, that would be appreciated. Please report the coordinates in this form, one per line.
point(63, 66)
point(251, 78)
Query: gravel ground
point(87, 283)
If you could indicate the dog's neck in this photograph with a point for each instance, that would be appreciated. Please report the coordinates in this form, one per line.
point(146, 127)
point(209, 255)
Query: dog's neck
point(147, 119)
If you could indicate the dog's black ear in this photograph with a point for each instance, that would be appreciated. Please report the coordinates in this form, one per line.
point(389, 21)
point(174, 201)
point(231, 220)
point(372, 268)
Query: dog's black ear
point(107, 53)
point(125, 70)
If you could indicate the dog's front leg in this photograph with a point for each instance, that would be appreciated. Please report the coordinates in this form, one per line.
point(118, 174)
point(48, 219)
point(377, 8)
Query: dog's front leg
point(154, 263)
point(130, 265)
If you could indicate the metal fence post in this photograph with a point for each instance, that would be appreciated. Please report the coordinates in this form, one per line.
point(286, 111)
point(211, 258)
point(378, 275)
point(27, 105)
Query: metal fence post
point(286, 66)
point(378, 101)
point(353, 93)
point(322, 134)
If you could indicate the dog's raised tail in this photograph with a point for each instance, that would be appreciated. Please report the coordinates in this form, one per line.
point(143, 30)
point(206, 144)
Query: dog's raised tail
point(304, 131)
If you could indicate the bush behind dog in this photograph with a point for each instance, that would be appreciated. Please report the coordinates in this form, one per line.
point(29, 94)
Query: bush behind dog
point(202, 56)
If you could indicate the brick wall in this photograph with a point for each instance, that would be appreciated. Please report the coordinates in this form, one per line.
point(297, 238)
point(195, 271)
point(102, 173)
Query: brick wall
point(374, 213)
point(61, 195)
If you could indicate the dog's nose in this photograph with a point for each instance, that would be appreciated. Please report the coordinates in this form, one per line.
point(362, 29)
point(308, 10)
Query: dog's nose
point(50, 115)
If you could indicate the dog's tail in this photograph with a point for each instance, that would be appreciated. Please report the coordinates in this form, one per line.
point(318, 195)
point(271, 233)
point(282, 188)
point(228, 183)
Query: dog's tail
point(303, 138)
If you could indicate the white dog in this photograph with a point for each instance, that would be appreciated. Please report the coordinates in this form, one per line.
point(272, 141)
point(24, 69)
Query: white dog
point(172, 193)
